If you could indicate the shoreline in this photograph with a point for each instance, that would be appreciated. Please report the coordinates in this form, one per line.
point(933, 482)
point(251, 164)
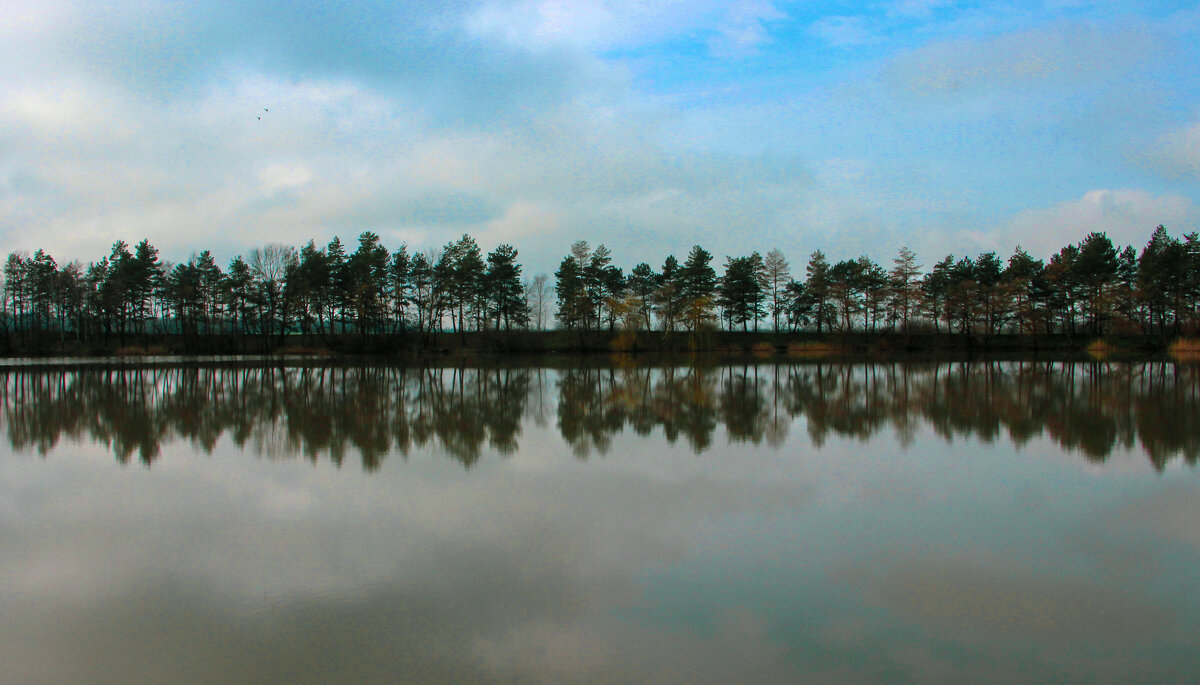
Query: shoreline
point(548, 345)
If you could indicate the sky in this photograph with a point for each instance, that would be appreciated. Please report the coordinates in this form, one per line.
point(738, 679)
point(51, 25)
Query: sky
point(647, 126)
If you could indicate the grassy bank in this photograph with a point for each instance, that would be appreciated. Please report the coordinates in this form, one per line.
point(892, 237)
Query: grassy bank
point(524, 343)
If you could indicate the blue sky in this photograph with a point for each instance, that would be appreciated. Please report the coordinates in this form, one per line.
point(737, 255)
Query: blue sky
point(647, 126)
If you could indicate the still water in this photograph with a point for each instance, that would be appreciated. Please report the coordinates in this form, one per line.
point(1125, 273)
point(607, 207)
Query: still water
point(773, 523)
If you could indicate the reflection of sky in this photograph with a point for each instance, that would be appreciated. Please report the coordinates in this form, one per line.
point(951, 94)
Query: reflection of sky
point(967, 557)
point(859, 560)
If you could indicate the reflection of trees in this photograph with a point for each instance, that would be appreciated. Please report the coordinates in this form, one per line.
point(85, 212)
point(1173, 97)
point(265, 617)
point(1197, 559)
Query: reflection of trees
point(594, 404)
point(1090, 408)
point(325, 412)
point(279, 412)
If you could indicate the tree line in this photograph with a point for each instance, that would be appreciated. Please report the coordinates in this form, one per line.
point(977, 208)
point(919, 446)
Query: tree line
point(1092, 287)
point(276, 290)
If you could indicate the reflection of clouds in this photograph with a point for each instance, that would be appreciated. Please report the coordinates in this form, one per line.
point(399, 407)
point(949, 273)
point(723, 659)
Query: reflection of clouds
point(508, 571)
point(1138, 542)
point(922, 663)
point(646, 564)
point(955, 599)
point(1174, 514)
point(605, 649)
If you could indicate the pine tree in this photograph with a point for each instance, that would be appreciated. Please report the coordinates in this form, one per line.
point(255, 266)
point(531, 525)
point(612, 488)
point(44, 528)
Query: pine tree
point(1020, 277)
point(368, 277)
point(401, 286)
point(571, 289)
point(740, 292)
point(505, 293)
point(935, 291)
point(641, 284)
point(697, 287)
point(816, 286)
point(1095, 271)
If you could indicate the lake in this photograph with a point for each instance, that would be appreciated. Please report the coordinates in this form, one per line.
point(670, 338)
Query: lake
point(774, 522)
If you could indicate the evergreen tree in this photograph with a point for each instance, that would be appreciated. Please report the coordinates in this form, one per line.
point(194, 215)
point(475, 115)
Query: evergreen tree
point(990, 301)
point(816, 288)
point(238, 296)
point(368, 280)
point(16, 284)
point(668, 299)
point(115, 289)
point(421, 275)
point(70, 295)
point(1162, 269)
point(41, 276)
point(1020, 277)
point(962, 296)
point(339, 300)
point(875, 292)
point(1095, 272)
point(1062, 292)
point(143, 274)
point(504, 290)
point(313, 287)
point(800, 305)
point(401, 285)
point(740, 292)
point(1125, 291)
point(604, 283)
point(641, 285)
point(208, 284)
point(697, 286)
point(935, 291)
point(571, 289)
point(469, 270)
point(846, 285)
point(1190, 295)
point(905, 287)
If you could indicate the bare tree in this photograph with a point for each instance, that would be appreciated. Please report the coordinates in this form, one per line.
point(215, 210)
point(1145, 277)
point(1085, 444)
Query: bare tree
point(537, 295)
point(269, 266)
point(777, 271)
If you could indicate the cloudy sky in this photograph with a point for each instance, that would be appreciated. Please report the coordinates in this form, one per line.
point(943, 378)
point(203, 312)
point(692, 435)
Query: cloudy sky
point(648, 125)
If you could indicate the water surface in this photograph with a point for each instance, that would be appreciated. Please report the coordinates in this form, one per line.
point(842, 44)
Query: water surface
point(765, 523)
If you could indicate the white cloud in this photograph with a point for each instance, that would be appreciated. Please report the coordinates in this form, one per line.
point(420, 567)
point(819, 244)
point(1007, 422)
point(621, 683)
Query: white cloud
point(589, 23)
point(522, 224)
point(736, 27)
point(1127, 216)
point(86, 167)
point(280, 177)
point(518, 129)
point(221, 172)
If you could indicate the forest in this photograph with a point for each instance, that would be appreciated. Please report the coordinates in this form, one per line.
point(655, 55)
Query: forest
point(278, 294)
